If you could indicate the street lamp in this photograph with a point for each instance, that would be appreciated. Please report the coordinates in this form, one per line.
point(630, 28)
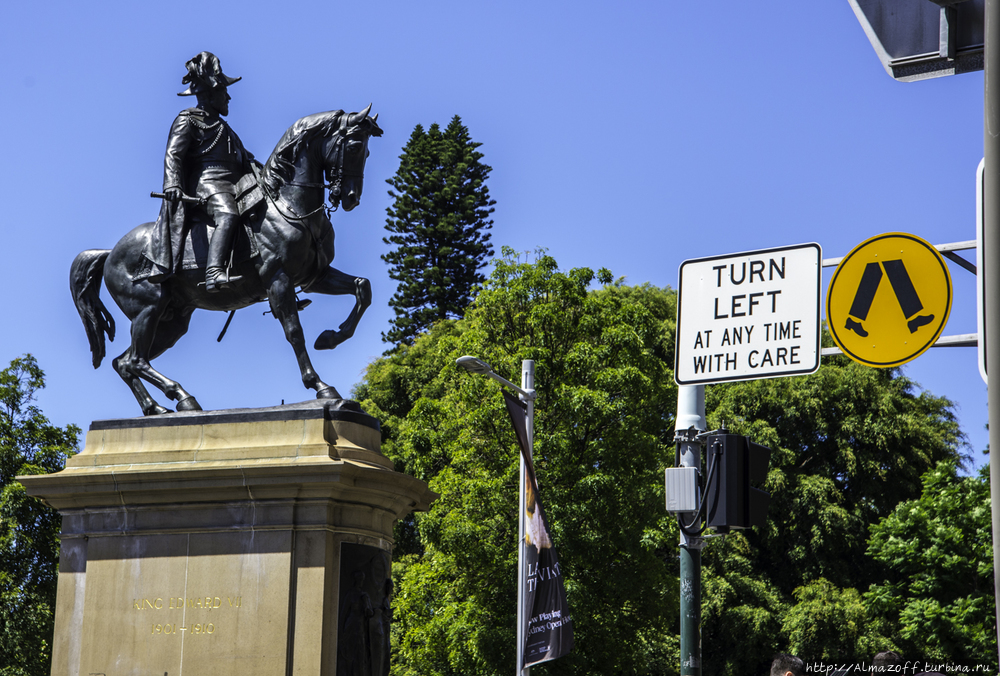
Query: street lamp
point(526, 393)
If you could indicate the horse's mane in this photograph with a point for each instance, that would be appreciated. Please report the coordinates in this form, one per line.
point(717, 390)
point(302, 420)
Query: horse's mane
point(280, 168)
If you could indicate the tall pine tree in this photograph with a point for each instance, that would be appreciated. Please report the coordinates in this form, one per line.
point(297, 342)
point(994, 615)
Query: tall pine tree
point(440, 228)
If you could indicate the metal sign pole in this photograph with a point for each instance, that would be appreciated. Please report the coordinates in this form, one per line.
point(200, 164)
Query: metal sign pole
point(991, 258)
point(690, 421)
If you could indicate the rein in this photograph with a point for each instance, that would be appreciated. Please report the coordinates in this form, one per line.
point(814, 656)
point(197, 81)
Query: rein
point(276, 201)
point(334, 182)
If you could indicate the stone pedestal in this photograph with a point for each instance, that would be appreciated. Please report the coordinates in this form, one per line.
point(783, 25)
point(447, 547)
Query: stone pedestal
point(227, 543)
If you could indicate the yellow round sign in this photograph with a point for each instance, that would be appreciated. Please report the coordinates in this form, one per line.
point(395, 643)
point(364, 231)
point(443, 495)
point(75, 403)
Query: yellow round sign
point(889, 300)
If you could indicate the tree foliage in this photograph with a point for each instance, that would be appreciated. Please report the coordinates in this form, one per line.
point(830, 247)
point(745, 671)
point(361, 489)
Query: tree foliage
point(829, 624)
point(850, 445)
point(439, 226)
point(603, 427)
point(937, 599)
point(29, 531)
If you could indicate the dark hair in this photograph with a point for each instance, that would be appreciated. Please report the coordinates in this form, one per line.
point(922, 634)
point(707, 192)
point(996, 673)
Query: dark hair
point(886, 658)
point(782, 664)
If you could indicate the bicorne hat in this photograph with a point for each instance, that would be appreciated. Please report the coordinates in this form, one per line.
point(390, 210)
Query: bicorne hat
point(204, 74)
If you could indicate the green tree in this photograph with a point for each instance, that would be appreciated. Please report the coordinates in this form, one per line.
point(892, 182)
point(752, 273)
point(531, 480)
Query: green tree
point(937, 599)
point(603, 433)
point(829, 624)
point(849, 443)
point(29, 531)
point(440, 232)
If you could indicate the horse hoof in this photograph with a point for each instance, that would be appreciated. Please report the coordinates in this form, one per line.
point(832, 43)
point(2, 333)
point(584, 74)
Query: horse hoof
point(328, 340)
point(188, 403)
point(345, 405)
point(157, 410)
point(328, 393)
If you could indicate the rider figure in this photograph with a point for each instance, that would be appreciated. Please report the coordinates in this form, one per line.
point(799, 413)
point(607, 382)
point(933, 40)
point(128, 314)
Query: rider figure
point(206, 158)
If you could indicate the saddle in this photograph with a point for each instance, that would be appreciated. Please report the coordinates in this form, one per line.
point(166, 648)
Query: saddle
point(249, 196)
point(248, 191)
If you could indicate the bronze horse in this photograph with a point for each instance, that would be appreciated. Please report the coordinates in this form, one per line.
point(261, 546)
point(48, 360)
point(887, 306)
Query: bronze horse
point(294, 248)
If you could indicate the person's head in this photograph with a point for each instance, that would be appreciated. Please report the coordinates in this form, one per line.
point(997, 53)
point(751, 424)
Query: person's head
point(886, 658)
point(206, 80)
point(787, 665)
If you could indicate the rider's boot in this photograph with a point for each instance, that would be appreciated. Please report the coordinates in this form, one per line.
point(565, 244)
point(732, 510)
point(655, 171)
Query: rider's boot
point(219, 249)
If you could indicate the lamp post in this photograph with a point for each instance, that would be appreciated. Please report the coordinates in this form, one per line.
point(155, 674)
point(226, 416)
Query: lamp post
point(526, 392)
point(991, 252)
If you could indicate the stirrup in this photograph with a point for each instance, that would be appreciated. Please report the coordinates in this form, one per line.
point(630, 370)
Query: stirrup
point(217, 279)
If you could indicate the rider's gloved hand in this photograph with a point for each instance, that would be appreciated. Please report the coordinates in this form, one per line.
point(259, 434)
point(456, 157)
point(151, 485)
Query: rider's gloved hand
point(173, 194)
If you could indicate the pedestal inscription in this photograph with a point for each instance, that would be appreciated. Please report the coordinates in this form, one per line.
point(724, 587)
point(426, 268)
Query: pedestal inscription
point(230, 596)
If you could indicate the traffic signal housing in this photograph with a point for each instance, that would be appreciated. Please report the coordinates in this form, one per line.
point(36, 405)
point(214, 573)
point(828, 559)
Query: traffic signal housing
point(732, 501)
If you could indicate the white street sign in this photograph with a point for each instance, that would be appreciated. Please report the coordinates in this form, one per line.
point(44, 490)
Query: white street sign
point(749, 315)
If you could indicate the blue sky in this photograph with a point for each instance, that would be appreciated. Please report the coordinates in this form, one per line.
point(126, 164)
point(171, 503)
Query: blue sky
point(631, 136)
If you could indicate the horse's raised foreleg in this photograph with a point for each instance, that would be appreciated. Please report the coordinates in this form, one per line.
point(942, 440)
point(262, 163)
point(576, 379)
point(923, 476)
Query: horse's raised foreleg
point(337, 283)
point(281, 295)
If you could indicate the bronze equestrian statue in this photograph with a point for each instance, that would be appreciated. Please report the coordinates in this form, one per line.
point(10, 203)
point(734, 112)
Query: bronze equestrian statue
point(283, 239)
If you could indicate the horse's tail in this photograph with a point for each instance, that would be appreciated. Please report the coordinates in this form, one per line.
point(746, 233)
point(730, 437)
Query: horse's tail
point(85, 282)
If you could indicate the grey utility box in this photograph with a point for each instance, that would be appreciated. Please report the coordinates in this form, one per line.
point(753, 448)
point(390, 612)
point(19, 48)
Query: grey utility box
point(682, 489)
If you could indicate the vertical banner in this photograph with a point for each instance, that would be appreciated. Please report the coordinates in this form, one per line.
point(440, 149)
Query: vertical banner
point(548, 628)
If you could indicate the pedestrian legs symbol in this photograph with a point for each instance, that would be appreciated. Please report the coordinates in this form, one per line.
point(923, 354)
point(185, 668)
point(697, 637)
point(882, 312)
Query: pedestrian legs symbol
point(902, 287)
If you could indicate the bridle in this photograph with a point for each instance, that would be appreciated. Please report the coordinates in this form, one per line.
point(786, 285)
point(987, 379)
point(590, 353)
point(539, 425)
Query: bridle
point(337, 173)
point(335, 177)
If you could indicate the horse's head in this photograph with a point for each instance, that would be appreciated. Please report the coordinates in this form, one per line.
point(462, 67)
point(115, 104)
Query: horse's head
point(345, 152)
point(335, 143)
